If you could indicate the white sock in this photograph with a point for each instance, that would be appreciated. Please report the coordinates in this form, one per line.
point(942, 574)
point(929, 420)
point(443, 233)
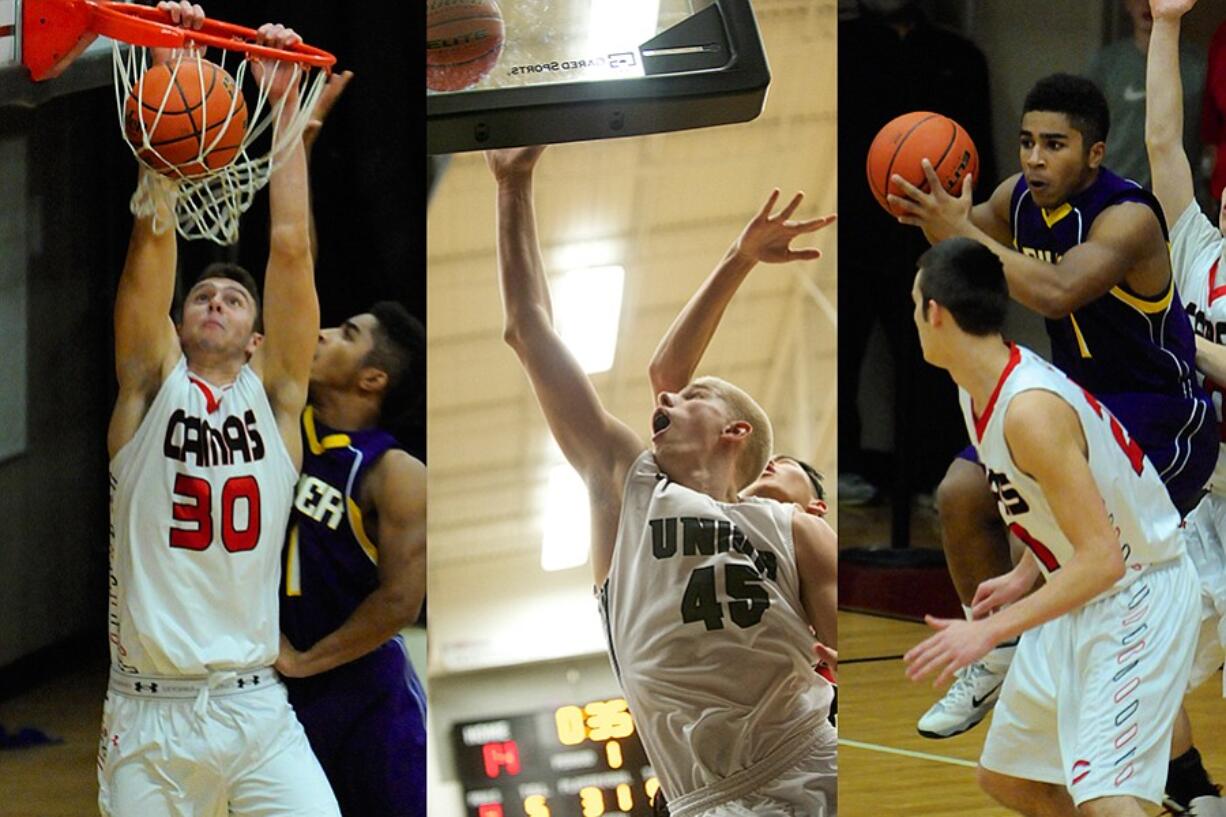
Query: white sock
point(999, 658)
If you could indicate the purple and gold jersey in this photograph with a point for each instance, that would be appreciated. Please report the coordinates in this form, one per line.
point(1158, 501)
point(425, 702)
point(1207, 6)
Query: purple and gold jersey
point(331, 564)
point(1121, 341)
point(1136, 354)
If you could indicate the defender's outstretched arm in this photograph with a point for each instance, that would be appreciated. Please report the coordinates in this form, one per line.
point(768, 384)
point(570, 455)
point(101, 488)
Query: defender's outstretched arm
point(766, 238)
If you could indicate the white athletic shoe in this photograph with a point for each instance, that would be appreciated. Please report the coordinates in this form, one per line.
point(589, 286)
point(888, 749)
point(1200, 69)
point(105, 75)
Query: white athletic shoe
point(1209, 806)
point(968, 701)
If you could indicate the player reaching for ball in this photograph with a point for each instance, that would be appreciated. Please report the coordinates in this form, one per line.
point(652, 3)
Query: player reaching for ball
point(204, 451)
point(1091, 258)
point(767, 239)
point(1084, 721)
point(708, 601)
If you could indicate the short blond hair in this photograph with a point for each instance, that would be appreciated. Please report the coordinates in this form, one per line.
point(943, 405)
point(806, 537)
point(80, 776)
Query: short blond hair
point(758, 446)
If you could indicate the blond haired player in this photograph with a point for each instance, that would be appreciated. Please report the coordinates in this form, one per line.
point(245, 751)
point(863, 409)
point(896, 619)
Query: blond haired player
point(1084, 721)
point(204, 451)
point(706, 600)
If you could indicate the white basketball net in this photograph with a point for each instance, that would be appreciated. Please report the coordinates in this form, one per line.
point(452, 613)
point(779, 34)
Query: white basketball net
point(209, 205)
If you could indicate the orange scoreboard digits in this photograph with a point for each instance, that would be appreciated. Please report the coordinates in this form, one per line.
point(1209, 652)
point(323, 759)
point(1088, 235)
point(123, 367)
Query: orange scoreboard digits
point(574, 760)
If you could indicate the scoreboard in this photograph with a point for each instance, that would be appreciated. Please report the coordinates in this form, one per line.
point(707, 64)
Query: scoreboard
point(577, 760)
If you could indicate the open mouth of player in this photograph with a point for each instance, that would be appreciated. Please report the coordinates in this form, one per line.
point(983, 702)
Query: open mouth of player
point(659, 423)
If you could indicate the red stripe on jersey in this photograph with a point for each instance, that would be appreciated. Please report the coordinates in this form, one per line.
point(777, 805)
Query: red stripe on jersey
point(1040, 550)
point(1215, 290)
point(981, 422)
point(211, 402)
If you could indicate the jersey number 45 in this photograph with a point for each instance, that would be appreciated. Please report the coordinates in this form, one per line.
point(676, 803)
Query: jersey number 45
point(749, 598)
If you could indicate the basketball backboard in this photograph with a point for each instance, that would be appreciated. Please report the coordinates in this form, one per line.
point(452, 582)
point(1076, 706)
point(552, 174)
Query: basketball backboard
point(572, 70)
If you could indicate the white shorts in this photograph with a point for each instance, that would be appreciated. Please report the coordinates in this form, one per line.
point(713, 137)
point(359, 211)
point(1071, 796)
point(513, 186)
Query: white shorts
point(1098, 684)
point(1204, 536)
point(168, 751)
point(795, 781)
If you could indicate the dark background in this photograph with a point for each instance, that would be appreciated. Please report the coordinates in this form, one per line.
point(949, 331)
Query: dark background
point(369, 203)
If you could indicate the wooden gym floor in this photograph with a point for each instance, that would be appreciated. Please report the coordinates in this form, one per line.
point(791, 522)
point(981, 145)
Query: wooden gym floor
point(886, 768)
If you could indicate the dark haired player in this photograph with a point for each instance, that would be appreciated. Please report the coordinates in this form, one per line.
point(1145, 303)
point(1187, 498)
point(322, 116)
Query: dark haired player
point(355, 569)
point(1083, 724)
point(1087, 250)
point(204, 451)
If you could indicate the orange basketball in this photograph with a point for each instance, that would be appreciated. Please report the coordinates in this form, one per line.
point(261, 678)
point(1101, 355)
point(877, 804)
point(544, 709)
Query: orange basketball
point(463, 42)
point(186, 113)
point(901, 144)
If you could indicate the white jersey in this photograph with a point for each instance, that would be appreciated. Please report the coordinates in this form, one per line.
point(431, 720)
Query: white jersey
point(1137, 502)
point(200, 497)
point(706, 630)
point(1196, 252)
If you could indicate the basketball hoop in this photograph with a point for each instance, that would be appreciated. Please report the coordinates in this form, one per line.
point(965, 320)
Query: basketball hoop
point(206, 194)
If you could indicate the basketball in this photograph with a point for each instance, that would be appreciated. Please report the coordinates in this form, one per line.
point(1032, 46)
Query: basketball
point(463, 42)
point(186, 112)
point(904, 142)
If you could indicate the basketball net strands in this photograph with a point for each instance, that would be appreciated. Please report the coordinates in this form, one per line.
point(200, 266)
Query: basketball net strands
point(195, 197)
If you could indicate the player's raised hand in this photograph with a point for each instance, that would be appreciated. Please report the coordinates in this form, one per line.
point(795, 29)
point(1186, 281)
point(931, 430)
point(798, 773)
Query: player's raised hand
point(183, 14)
point(323, 106)
point(956, 644)
point(282, 77)
point(937, 213)
point(769, 237)
point(1170, 9)
point(510, 163)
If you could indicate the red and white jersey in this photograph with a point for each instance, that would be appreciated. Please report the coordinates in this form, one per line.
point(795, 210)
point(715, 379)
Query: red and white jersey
point(1196, 264)
point(706, 630)
point(1137, 502)
point(200, 497)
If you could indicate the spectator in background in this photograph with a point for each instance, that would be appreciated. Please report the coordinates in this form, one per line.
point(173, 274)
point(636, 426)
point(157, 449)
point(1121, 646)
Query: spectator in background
point(1119, 70)
point(1213, 116)
point(893, 60)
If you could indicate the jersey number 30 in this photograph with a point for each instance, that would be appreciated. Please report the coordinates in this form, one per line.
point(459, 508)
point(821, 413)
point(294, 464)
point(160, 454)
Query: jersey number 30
point(700, 602)
point(198, 512)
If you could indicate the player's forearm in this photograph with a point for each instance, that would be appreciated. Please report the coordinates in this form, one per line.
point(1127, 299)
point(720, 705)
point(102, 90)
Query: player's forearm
point(1163, 87)
point(1169, 166)
point(382, 615)
point(1211, 359)
point(682, 347)
point(289, 205)
point(1035, 284)
point(1090, 573)
point(525, 292)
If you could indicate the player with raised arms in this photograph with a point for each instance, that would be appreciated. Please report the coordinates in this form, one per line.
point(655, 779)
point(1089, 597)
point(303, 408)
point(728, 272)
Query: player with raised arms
point(1101, 530)
point(709, 601)
point(1087, 250)
point(204, 449)
point(767, 239)
point(1196, 250)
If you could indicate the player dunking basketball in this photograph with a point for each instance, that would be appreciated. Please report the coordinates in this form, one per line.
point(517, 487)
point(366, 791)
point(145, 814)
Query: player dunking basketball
point(708, 601)
point(204, 451)
point(1084, 721)
point(355, 570)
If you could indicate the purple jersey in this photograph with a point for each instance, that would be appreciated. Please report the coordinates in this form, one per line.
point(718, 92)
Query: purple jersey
point(1134, 353)
point(331, 565)
point(366, 720)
